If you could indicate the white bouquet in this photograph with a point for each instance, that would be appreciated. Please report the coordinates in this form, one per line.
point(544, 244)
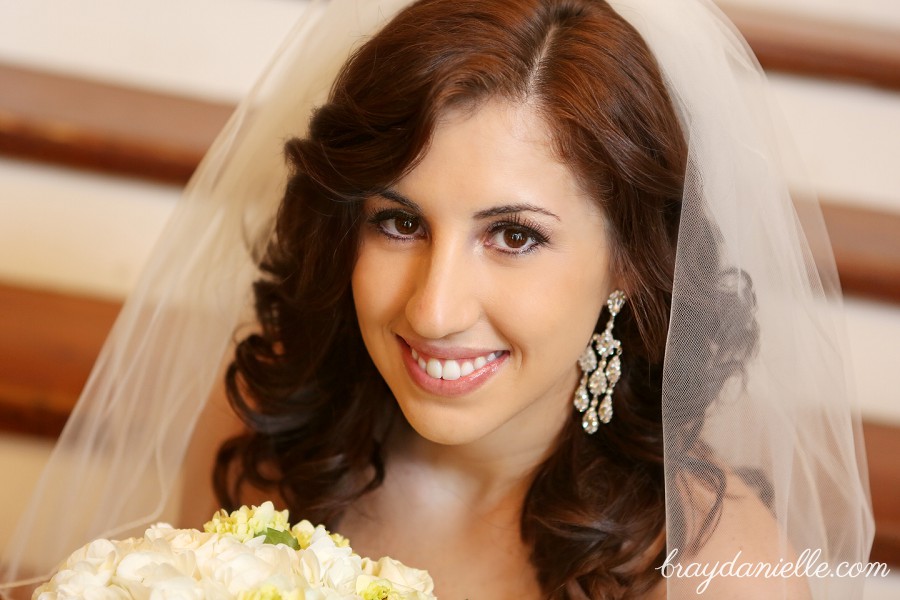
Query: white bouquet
point(250, 554)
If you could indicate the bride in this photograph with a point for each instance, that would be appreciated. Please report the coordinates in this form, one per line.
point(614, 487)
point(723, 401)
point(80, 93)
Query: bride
point(535, 312)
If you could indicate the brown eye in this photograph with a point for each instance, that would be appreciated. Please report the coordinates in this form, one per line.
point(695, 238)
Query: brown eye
point(398, 225)
point(406, 225)
point(515, 238)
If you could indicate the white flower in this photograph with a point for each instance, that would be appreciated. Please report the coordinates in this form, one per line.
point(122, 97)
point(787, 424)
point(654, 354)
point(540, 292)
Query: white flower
point(399, 574)
point(232, 561)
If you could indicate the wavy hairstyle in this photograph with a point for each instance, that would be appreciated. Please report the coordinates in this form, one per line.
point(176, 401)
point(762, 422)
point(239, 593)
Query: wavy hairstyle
point(594, 516)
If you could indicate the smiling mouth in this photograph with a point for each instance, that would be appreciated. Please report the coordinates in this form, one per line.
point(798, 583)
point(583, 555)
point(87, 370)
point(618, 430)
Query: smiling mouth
point(451, 369)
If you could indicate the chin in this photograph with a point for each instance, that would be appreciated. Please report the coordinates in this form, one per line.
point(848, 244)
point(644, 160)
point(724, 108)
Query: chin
point(444, 425)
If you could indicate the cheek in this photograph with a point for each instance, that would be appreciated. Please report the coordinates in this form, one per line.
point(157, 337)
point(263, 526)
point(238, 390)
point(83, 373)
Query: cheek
point(551, 314)
point(377, 286)
point(364, 282)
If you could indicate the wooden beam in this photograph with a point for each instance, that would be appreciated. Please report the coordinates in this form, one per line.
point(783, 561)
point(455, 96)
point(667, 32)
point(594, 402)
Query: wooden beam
point(821, 48)
point(866, 244)
point(882, 450)
point(89, 124)
point(48, 344)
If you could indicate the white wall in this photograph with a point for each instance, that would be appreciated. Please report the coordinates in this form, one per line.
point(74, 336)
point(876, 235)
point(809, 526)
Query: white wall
point(204, 48)
point(77, 231)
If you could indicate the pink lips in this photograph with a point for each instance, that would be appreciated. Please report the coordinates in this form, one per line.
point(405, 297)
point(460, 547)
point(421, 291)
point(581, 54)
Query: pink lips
point(456, 387)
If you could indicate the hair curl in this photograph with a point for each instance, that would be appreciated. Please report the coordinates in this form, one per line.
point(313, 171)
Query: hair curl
point(595, 515)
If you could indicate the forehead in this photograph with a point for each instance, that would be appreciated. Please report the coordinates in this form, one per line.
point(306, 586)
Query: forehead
point(514, 128)
point(496, 153)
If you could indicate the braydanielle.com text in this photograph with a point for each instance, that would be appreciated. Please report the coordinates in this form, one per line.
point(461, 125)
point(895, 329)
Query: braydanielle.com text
point(808, 565)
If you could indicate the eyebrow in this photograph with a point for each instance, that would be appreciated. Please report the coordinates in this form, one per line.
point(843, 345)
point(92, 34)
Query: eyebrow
point(505, 209)
point(392, 194)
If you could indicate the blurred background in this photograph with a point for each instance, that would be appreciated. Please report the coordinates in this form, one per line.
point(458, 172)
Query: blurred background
point(106, 106)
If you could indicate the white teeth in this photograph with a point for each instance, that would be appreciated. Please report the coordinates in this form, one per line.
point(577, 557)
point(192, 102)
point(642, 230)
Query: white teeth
point(450, 369)
point(434, 368)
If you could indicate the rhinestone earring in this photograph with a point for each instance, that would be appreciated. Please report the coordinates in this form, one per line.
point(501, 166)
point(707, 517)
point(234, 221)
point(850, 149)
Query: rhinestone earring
point(601, 368)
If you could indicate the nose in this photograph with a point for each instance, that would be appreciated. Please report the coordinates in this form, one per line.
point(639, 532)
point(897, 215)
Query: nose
point(444, 299)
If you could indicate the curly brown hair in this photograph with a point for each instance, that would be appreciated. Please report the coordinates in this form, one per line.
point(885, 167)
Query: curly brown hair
point(595, 514)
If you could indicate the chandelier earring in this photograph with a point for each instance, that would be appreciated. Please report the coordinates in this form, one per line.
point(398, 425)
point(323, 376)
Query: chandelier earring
point(601, 368)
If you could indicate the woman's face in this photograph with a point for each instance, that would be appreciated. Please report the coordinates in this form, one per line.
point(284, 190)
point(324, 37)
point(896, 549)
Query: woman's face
point(479, 280)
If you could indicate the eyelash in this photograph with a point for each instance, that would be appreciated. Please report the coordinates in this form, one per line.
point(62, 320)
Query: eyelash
point(532, 230)
point(378, 218)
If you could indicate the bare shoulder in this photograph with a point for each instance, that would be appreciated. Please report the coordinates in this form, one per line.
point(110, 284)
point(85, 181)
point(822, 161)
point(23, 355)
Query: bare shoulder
point(746, 555)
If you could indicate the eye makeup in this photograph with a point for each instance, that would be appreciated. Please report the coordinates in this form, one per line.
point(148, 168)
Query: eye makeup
point(506, 229)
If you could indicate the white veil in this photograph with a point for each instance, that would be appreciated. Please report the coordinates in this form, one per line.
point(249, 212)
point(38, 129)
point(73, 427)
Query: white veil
point(793, 420)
